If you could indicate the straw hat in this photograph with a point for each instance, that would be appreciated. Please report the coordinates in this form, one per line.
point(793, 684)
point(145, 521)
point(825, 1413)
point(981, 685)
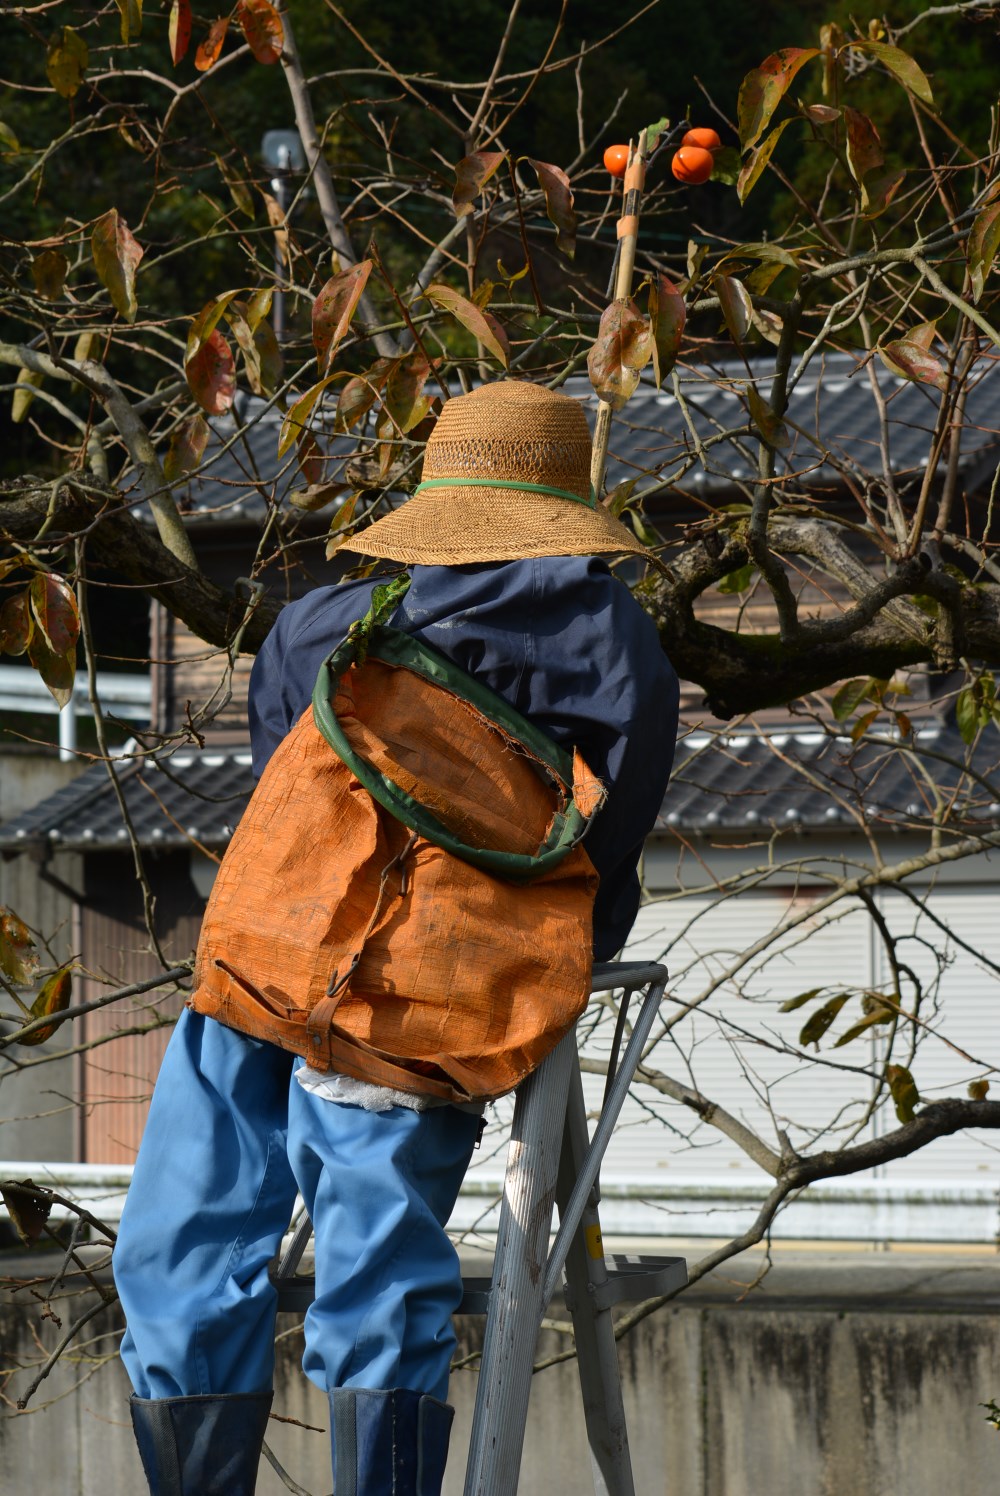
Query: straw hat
point(506, 475)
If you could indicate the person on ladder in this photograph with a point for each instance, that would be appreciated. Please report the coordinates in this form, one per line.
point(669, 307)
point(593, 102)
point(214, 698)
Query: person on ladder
point(445, 832)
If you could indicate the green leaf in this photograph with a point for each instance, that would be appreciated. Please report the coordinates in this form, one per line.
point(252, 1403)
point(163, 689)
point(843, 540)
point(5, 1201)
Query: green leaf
point(876, 1017)
point(862, 725)
point(753, 167)
point(967, 713)
point(188, 443)
point(800, 1001)
point(667, 316)
point(653, 133)
point(850, 696)
point(768, 423)
point(405, 401)
point(258, 305)
point(471, 175)
point(736, 305)
point(116, 257)
point(53, 998)
point(66, 61)
point(622, 348)
point(984, 238)
point(737, 581)
point(903, 1091)
point(482, 326)
point(247, 340)
point(131, 22)
point(333, 309)
point(901, 65)
point(317, 495)
point(764, 87)
point(238, 189)
point(558, 204)
point(206, 321)
point(48, 271)
point(298, 415)
point(335, 536)
point(9, 144)
point(18, 957)
point(725, 165)
point(27, 382)
point(270, 359)
point(817, 1023)
point(617, 500)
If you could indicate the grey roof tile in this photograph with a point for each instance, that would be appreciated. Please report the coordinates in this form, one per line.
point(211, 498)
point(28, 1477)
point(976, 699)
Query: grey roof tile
point(721, 784)
point(832, 399)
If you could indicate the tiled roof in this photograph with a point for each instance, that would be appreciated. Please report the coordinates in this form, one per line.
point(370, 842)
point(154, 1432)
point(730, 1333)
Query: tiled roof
point(721, 784)
point(195, 797)
point(832, 399)
point(803, 780)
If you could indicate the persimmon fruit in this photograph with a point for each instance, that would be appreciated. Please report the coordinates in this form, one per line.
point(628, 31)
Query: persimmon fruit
point(616, 159)
point(704, 136)
point(692, 164)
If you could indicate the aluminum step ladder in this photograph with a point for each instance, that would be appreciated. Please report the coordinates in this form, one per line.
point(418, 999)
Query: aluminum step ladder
point(551, 1160)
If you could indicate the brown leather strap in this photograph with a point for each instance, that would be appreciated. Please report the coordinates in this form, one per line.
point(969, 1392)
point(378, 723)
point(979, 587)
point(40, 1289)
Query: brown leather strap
point(344, 1057)
point(318, 1031)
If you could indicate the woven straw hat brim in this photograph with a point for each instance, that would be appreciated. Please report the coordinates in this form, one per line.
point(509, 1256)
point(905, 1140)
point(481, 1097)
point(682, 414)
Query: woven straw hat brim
point(455, 527)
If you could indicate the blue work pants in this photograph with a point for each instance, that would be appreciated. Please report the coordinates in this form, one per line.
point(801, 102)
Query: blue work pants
point(231, 1137)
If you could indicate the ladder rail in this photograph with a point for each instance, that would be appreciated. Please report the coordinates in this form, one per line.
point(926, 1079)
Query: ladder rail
point(593, 1329)
point(591, 1165)
point(516, 1302)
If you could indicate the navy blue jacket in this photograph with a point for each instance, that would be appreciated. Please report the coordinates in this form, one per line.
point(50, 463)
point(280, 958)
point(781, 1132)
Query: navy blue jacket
point(560, 639)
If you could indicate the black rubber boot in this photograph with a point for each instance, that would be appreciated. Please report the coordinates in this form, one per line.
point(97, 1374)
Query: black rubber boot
point(201, 1446)
point(392, 1443)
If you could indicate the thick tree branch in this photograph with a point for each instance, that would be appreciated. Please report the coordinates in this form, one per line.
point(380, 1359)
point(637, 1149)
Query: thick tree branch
point(116, 539)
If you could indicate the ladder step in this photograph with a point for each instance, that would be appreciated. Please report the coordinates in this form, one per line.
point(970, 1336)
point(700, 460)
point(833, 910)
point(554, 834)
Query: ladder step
point(295, 1294)
point(630, 1279)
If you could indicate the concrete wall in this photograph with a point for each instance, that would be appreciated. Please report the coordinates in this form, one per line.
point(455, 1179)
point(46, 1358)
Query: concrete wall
point(840, 1376)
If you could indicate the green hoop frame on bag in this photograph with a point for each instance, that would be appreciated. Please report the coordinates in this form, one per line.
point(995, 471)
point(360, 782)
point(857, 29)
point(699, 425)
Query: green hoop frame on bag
point(370, 638)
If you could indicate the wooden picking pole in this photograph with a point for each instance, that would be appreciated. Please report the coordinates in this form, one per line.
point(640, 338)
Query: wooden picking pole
point(628, 236)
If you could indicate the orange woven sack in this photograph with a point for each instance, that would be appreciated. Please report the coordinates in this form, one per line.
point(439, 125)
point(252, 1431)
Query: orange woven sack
point(406, 899)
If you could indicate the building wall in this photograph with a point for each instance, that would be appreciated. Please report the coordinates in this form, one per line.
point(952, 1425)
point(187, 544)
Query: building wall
point(125, 1041)
point(37, 1118)
point(836, 1377)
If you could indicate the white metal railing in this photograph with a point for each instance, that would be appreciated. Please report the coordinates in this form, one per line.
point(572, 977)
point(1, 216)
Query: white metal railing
point(866, 1209)
point(23, 690)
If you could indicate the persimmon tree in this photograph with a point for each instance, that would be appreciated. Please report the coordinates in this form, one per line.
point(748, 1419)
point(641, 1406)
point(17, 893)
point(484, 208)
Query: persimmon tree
point(424, 245)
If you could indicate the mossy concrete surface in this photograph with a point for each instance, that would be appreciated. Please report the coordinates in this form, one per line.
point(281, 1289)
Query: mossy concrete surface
point(840, 1374)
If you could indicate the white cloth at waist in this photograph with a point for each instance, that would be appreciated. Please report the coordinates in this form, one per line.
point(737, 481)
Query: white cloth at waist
point(350, 1092)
